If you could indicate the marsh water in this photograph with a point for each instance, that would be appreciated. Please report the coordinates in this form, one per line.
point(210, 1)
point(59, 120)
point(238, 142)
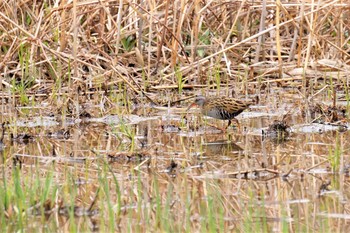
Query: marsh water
point(155, 163)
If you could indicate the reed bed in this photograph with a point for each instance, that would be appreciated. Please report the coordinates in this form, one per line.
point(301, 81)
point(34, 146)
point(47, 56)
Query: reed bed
point(51, 48)
point(103, 57)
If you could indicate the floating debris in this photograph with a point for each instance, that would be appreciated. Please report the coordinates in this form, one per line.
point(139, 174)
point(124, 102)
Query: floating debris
point(47, 208)
point(255, 174)
point(317, 128)
point(321, 113)
point(170, 128)
point(127, 157)
point(85, 114)
point(37, 121)
point(334, 215)
point(78, 211)
point(172, 168)
point(278, 130)
point(324, 188)
point(21, 138)
point(60, 134)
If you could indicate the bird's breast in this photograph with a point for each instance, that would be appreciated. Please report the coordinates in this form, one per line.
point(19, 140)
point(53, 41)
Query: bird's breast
point(220, 113)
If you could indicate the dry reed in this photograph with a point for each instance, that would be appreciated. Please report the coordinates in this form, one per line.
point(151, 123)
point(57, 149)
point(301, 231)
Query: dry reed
point(99, 44)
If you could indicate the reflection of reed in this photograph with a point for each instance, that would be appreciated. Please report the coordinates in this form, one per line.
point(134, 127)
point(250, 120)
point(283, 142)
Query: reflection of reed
point(221, 148)
point(2, 136)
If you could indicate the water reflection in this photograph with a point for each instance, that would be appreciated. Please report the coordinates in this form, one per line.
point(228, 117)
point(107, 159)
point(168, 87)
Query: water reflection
point(161, 158)
point(221, 148)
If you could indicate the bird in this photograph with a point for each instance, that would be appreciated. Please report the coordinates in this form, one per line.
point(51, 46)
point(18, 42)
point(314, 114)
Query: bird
point(223, 108)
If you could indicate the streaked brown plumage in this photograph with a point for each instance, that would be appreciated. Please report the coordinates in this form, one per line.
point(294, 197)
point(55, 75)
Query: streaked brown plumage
point(223, 108)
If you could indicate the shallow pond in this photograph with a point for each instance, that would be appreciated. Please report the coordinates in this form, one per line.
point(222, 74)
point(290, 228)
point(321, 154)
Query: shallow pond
point(165, 169)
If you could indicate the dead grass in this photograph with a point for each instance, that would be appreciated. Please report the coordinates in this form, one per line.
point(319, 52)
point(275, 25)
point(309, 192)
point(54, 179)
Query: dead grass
point(96, 45)
point(56, 56)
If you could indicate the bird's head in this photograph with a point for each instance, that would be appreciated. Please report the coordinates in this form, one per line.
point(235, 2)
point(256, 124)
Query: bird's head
point(198, 101)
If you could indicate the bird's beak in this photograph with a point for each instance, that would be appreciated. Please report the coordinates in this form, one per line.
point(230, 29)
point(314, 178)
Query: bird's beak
point(192, 105)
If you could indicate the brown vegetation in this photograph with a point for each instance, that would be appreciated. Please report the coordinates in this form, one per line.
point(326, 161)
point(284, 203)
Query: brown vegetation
point(100, 46)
